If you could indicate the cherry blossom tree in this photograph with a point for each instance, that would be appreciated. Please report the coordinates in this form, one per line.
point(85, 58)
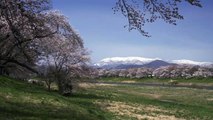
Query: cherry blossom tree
point(30, 33)
point(22, 24)
point(141, 12)
point(65, 52)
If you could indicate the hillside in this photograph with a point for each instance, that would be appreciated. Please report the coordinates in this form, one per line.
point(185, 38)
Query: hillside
point(20, 100)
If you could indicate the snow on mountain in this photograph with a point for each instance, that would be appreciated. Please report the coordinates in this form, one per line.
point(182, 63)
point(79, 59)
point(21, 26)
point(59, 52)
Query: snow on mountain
point(125, 60)
point(190, 62)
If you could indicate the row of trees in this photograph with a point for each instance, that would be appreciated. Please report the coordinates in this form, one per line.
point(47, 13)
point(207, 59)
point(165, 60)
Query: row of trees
point(37, 40)
point(174, 71)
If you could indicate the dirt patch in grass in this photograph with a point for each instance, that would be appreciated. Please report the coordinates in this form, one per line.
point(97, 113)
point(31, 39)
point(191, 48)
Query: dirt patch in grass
point(137, 111)
point(103, 84)
point(86, 85)
point(209, 99)
point(92, 85)
point(128, 81)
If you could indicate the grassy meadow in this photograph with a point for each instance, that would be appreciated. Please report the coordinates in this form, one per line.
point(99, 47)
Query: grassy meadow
point(181, 81)
point(24, 101)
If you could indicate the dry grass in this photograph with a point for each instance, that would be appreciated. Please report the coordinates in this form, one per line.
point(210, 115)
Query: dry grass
point(137, 111)
point(209, 99)
point(129, 81)
point(85, 85)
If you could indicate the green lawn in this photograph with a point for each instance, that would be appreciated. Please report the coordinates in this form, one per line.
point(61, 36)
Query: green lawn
point(195, 81)
point(19, 100)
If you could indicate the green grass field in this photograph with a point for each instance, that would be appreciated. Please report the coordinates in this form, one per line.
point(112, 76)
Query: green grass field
point(20, 100)
point(195, 81)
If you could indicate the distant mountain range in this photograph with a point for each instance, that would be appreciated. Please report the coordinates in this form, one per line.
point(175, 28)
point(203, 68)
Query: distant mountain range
point(137, 62)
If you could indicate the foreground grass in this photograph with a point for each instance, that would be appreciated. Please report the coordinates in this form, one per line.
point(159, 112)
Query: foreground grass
point(19, 100)
point(169, 102)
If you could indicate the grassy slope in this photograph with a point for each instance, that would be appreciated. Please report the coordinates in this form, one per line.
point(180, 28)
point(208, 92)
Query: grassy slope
point(19, 100)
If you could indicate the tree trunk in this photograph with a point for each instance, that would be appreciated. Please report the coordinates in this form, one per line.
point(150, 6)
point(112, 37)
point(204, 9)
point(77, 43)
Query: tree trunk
point(1, 71)
point(48, 87)
point(60, 86)
point(48, 83)
point(64, 88)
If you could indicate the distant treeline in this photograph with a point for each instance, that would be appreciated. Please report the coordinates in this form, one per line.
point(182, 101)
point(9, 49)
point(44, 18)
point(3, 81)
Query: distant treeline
point(172, 71)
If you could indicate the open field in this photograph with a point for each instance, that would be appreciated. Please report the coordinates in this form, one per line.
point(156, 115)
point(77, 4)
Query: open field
point(20, 100)
point(191, 81)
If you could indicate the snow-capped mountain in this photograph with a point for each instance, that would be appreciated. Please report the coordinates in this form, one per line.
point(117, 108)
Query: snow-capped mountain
point(125, 61)
point(135, 62)
point(190, 62)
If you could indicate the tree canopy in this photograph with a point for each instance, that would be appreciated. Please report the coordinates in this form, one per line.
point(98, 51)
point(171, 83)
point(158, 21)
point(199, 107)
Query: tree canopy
point(29, 30)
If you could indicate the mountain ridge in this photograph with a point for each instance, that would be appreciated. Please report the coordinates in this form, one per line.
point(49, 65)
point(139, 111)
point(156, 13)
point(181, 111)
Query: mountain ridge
point(136, 62)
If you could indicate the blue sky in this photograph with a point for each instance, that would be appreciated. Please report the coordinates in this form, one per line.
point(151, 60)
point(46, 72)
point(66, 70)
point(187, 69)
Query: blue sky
point(105, 36)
